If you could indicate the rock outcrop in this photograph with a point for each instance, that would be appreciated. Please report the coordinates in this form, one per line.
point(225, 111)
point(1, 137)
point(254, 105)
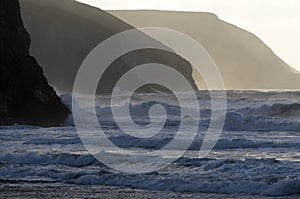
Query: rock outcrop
point(65, 31)
point(25, 96)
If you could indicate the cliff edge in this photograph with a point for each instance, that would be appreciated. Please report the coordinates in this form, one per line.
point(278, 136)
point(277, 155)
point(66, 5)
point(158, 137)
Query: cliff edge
point(25, 96)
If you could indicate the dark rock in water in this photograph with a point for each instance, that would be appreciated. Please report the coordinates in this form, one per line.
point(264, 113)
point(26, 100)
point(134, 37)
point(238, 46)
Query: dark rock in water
point(65, 31)
point(25, 96)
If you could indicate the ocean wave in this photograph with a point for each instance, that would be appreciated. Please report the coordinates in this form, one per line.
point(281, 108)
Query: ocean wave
point(52, 141)
point(33, 158)
point(249, 176)
point(236, 121)
point(274, 110)
point(252, 176)
point(247, 116)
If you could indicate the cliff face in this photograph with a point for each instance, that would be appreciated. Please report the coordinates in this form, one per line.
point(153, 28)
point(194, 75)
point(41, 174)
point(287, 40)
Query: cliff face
point(245, 62)
point(25, 96)
point(63, 32)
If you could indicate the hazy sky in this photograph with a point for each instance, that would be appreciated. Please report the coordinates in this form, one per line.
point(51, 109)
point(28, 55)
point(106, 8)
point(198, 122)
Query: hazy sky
point(276, 22)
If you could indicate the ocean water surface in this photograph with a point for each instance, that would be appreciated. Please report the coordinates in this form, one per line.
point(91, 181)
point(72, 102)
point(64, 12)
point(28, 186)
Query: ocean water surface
point(258, 152)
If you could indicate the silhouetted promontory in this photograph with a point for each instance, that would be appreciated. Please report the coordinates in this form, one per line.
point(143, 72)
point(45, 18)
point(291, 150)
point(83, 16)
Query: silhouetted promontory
point(25, 96)
point(65, 31)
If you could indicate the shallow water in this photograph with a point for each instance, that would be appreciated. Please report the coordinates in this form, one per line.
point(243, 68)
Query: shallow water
point(59, 190)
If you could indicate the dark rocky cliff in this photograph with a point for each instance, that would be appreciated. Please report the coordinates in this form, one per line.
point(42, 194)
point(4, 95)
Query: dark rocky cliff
point(25, 96)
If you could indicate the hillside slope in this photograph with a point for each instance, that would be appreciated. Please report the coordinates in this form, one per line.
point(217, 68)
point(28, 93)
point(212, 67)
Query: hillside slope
point(244, 60)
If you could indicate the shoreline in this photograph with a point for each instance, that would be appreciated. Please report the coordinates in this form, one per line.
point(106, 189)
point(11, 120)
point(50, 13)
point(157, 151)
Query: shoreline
point(62, 190)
